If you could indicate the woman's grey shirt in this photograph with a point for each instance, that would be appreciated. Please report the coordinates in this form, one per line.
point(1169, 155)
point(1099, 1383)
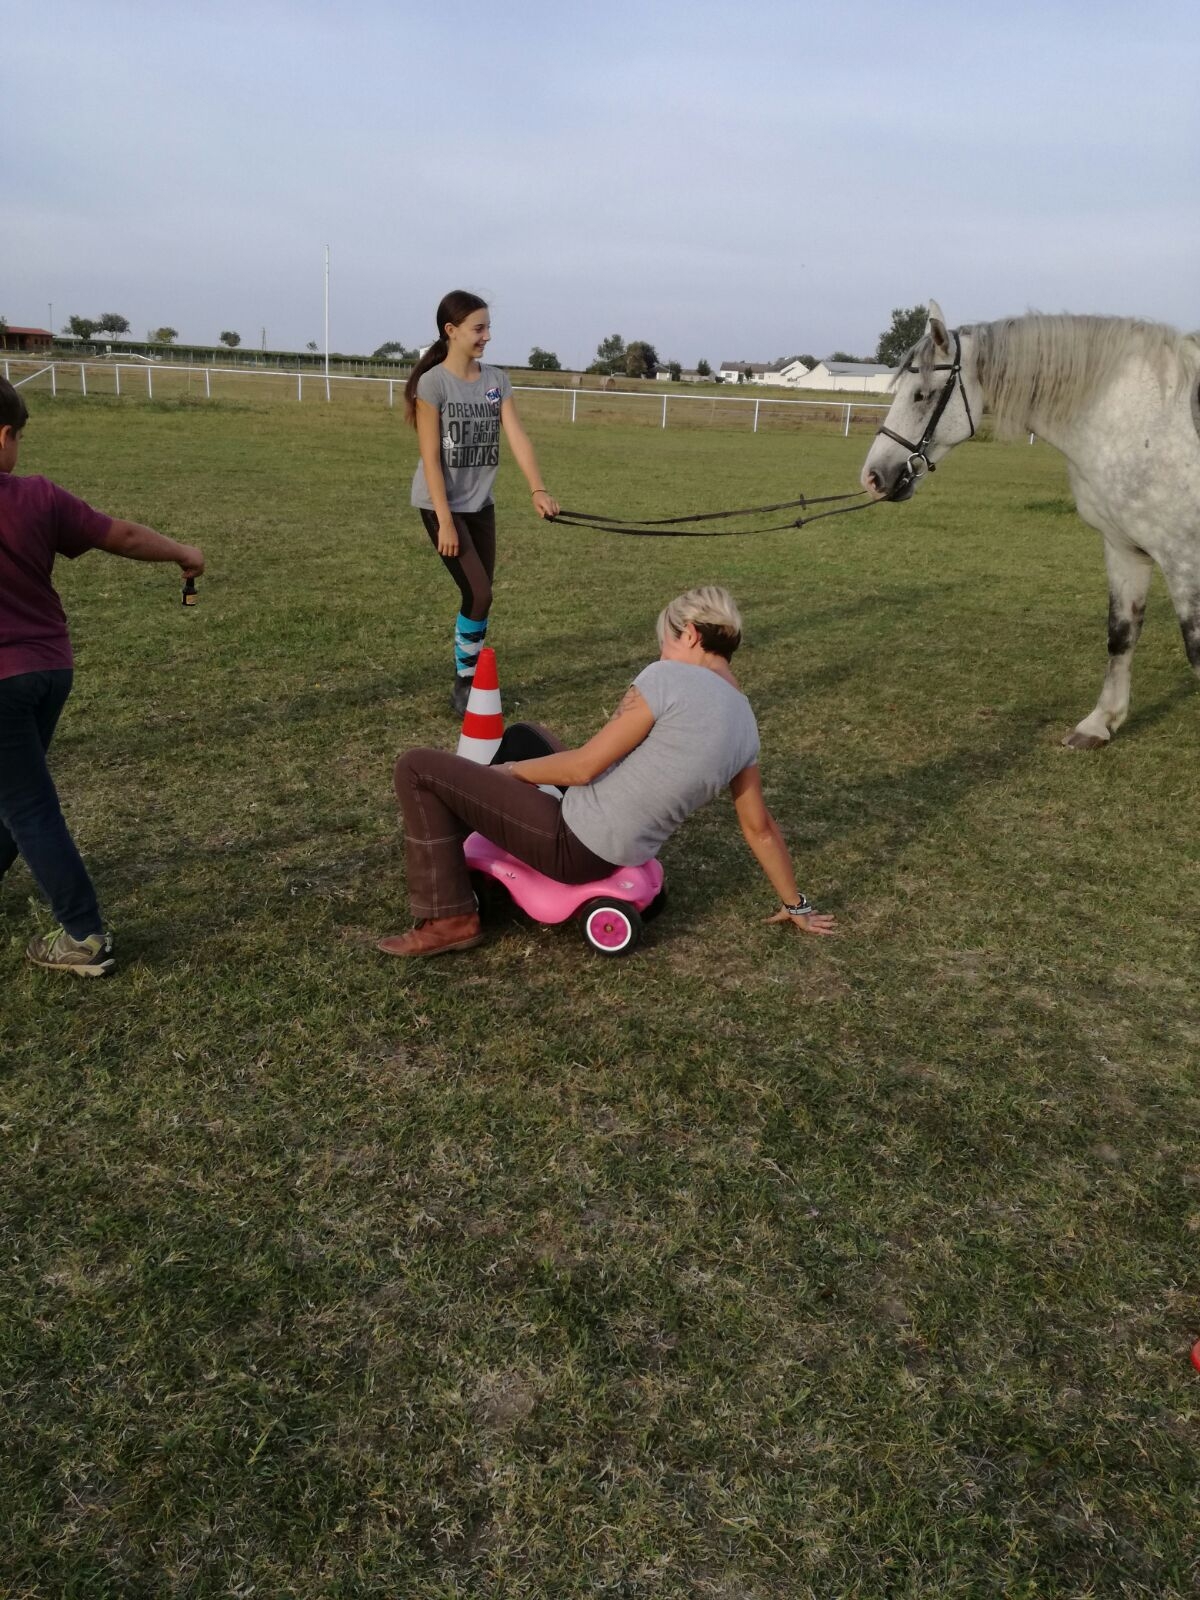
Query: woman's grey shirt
point(704, 733)
point(469, 417)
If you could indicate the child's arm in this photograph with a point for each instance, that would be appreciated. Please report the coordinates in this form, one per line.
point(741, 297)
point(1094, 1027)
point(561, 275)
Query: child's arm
point(544, 502)
point(429, 440)
point(132, 540)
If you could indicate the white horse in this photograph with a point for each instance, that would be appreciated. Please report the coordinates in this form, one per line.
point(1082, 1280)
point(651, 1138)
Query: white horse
point(1119, 399)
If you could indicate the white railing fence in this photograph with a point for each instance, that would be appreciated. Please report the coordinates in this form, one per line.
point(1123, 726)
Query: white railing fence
point(645, 407)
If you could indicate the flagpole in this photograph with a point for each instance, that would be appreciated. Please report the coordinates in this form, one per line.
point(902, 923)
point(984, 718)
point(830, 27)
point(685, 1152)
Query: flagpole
point(327, 322)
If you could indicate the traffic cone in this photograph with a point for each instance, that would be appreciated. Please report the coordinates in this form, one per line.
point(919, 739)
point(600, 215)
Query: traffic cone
point(483, 724)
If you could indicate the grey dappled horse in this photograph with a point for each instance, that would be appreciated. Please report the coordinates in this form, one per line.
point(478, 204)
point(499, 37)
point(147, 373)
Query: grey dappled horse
point(1119, 399)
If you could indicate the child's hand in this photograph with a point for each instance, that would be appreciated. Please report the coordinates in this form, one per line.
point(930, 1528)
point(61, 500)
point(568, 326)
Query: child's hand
point(191, 561)
point(811, 922)
point(447, 539)
point(545, 504)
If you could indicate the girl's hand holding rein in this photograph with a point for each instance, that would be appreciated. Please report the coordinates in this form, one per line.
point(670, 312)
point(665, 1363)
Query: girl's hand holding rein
point(545, 504)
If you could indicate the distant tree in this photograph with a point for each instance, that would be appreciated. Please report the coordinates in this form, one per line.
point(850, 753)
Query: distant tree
point(164, 335)
point(232, 340)
point(742, 375)
point(112, 322)
point(544, 360)
point(809, 361)
point(81, 327)
point(907, 327)
point(610, 354)
point(840, 355)
point(703, 370)
point(675, 370)
point(393, 348)
point(641, 360)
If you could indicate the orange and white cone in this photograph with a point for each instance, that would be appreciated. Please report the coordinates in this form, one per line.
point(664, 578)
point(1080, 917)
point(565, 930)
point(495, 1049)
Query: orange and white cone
point(483, 724)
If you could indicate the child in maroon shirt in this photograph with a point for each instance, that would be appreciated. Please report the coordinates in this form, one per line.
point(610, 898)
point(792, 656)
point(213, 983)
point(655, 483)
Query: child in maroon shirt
point(39, 521)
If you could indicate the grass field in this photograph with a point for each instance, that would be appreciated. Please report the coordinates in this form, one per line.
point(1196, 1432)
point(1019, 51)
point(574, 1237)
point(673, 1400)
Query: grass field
point(753, 1267)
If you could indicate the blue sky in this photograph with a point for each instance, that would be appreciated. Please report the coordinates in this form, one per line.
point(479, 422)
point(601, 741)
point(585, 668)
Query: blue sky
point(727, 182)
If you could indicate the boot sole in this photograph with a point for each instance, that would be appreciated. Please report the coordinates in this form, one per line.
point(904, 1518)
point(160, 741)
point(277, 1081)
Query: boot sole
point(442, 949)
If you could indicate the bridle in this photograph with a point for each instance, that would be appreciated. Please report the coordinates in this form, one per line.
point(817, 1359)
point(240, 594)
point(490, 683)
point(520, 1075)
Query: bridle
point(920, 450)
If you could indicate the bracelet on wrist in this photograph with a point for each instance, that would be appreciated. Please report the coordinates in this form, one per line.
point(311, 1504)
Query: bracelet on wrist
point(537, 492)
point(802, 908)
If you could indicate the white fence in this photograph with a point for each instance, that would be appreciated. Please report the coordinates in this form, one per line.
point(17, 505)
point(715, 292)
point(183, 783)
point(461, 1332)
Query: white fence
point(645, 407)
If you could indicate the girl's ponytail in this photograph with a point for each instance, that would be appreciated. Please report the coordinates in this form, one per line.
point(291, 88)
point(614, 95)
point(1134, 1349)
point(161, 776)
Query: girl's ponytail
point(455, 307)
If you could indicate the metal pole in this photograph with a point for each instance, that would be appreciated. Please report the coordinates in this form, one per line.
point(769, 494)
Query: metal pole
point(574, 397)
point(664, 421)
point(117, 376)
point(53, 383)
point(149, 384)
point(757, 403)
point(391, 391)
point(299, 384)
point(207, 385)
point(846, 429)
point(327, 322)
point(83, 379)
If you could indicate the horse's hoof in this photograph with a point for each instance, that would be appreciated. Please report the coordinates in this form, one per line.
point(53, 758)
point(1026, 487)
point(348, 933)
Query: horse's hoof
point(1084, 741)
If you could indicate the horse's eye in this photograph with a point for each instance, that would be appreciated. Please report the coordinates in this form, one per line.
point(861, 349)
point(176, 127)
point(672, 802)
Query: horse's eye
point(918, 397)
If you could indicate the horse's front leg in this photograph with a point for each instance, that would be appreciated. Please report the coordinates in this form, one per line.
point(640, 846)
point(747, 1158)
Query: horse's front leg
point(1129, 571)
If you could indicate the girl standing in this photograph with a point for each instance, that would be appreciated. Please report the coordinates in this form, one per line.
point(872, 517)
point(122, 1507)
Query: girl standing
point(458, 407)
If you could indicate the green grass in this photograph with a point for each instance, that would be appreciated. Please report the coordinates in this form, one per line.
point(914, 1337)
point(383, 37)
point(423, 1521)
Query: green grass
point(753, 1267)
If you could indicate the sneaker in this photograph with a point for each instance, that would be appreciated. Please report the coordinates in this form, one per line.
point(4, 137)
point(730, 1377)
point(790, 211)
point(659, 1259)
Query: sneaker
point(461, 692)
point(86, 958)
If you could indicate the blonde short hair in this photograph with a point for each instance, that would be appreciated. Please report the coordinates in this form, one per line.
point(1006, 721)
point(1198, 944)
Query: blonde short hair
point(714, 614)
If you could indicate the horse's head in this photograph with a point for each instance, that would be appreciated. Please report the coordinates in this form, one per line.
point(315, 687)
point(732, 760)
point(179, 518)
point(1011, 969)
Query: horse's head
point(938, 401)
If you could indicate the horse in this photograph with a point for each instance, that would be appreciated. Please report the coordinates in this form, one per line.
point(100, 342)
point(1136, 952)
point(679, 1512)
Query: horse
point(1119, 399)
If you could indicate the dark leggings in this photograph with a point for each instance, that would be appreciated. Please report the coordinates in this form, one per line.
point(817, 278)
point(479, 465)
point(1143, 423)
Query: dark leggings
point(473, 566)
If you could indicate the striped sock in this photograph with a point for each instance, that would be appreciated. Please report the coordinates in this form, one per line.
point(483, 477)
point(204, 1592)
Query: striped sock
point(468, 642)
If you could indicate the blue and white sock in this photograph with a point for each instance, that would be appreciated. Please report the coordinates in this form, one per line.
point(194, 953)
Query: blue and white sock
point(468, 642)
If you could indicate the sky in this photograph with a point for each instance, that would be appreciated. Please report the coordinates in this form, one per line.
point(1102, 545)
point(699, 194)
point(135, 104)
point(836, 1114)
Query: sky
point(725, 181)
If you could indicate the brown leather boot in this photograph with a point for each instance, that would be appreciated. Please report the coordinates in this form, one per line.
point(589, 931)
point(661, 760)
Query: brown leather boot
point(435, 936)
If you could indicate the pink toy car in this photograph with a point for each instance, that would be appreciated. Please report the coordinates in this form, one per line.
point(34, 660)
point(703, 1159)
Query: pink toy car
point(611, 910)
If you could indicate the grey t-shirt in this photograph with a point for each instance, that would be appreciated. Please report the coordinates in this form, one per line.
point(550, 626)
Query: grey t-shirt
point(704, 733)
point(469, 414)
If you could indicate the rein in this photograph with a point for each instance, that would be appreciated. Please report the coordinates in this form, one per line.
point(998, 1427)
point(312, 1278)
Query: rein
point(670, 527)
point(920, 450)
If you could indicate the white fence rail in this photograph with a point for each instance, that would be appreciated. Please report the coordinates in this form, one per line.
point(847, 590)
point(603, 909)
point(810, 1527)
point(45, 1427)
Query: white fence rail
point(139, 380)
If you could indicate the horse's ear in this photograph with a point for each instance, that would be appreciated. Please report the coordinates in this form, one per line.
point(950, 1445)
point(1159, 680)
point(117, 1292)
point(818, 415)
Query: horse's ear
point(937, 327)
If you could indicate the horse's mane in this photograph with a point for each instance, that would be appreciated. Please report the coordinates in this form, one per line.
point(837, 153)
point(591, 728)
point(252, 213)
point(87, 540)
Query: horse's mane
point(1054, 364)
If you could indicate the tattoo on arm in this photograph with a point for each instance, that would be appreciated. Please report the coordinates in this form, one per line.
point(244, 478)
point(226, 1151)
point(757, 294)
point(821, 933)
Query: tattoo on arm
point(630, 703)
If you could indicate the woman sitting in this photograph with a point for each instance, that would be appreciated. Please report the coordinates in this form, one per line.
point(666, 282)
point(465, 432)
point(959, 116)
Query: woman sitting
point(683, 732)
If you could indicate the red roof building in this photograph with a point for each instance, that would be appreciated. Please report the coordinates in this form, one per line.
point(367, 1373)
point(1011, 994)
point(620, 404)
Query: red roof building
point(35, 340)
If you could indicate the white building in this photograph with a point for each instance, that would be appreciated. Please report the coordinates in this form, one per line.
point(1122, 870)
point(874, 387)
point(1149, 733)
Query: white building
point(861, 377)
point(780, 373)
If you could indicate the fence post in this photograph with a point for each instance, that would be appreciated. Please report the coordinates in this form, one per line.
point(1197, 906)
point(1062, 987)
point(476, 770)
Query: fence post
point(846, 429)
point(83, 379)
point(53, 383)
point(757, 403)
point(391, 391)
point(299, 384)
point(117, 376)
point(207, 385)
point(149, 384)
point(574, 397)
point(328, 396)
point(664, 421)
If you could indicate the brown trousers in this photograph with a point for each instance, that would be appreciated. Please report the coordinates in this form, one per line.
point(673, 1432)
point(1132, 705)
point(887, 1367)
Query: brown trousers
point(445, 797)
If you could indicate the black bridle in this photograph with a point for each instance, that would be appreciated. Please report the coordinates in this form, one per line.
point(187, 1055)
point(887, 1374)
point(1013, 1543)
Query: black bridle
point(920, 450)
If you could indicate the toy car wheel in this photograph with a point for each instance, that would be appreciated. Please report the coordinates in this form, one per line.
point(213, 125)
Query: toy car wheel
point(658, 904)
point(611, 927)
point(489, 897)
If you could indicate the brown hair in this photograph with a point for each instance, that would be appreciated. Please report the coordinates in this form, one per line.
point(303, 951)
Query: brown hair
point(453, 308)
point(14, 413)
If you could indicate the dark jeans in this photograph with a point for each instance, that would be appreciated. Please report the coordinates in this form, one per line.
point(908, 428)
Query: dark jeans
point(445, 797)
point(31, 820)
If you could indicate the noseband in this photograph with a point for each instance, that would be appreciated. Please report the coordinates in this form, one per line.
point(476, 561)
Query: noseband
point(919, 452)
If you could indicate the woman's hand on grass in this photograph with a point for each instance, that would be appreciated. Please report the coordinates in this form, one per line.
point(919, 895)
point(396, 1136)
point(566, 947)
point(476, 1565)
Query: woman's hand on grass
point(810, 922)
